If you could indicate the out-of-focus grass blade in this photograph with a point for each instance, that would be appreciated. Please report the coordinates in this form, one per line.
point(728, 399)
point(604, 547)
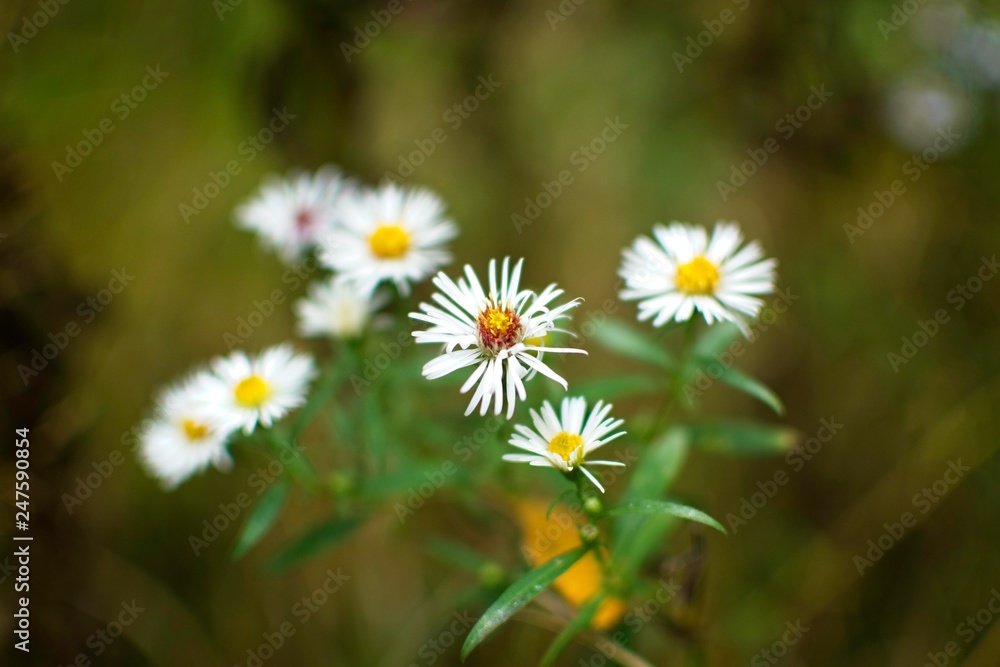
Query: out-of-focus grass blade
point(742, 437)
point(752, 387)
point(315, 541)
point(715, 339)
point(579, 623)
point(622, 339)
point(262, 518)
point(666, 507)
point(636, 537)
point(620, 385)
point(518, 594)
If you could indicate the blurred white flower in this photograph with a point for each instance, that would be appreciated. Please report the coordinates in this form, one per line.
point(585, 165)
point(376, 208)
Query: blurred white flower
point(292, 215)
point(565, 441)
point(242, 391)
point(337, 309)
point(683, 271)
point(976, 48)
point(179, 442)
point(922, 107)
point(501, 333)
point(388, 234)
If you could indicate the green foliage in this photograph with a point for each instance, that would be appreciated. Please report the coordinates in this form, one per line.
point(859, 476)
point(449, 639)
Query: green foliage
point(626, 341)
point(577, 624)
point(742, 437)
point(637, 537)
point(315, 541)
point(520, 593)
point(663, 507)
point(259, 522)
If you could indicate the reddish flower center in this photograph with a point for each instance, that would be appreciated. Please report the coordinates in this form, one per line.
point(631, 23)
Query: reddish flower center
point(303, 221)
point(499, 328)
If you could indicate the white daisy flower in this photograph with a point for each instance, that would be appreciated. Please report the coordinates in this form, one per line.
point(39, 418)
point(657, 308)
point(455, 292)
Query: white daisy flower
point(243, 391)
point(179, 442)
point(291, 215)
point(337, 309)
point(684, 271)
point(501, 333)
point(389, 234)
point(565, 441)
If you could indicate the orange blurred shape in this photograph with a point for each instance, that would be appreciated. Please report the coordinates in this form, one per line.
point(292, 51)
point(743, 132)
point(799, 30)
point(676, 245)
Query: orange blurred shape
point(542, 539)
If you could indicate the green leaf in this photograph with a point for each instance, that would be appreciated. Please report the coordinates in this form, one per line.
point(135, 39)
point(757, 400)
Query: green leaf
point(520, 593)
point(715, 339)
point(619, 385)
point(622, 339)
point(578, 624)
point(454, 553)
point(746, 384)
point(637, 537)
point(262, 518)
point(315, 541)
point(666, 507)
point(742, 437)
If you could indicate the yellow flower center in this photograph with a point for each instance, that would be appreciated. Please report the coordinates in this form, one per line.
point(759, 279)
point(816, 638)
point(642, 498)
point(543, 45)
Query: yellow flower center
point(252, 391)
point(194, 431)
point(499, 328)
point(699, 276)
point(565, 444)
point(389, 242)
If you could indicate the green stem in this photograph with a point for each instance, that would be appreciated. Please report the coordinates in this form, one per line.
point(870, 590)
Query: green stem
point(294, 460)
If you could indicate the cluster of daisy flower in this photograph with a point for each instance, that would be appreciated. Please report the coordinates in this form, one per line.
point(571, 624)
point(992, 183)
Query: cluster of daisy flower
point(378, 240)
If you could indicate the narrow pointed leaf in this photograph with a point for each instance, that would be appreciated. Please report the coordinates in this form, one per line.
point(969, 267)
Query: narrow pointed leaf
point(579, 623)
point(520, 593)
point(636, 537)
point(622, 339)
point(716, 339)
point(742, 437)
point(752, 387)
point(620, 385)
point(262, 518)
point(315, 541)
point(666, 507)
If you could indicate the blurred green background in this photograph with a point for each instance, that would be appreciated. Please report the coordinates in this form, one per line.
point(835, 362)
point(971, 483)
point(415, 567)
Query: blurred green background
point(563, 71)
